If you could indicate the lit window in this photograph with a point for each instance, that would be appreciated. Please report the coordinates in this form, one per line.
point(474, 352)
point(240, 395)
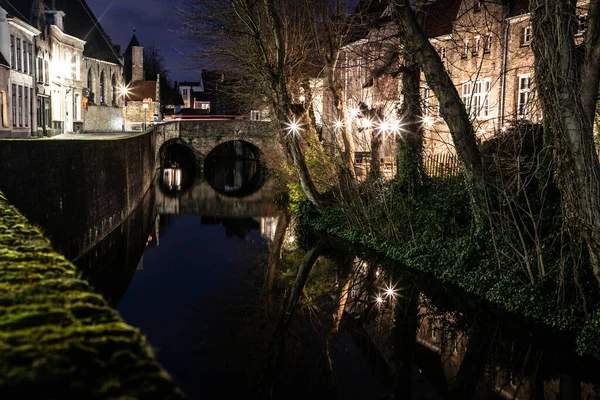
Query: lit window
point(476, 45)
point(466, 95)
point(426, 93)
point(526, 35)
point(466, 49)
point(523, 96)
point(582, 22)
point(443, 53)
point(487, 47)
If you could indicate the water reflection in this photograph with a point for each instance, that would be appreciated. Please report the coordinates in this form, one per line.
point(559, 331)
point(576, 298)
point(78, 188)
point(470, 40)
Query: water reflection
point(228, 292)
point(234, 168)
point(178, 170)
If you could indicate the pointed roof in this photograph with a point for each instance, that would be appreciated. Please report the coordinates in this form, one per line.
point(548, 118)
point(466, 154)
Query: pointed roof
point(132, 43)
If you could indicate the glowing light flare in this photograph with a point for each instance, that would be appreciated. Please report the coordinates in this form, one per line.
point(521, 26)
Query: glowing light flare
point(338, 124)
point(124, 90)
point(367, 123)
point(292, 239)
point(428, 122)
point(293, 126)
point(354, 112)
point(379, 300)
point(390, 291)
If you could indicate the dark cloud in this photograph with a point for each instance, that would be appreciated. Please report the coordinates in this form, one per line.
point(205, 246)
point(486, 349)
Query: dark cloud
point(155, 23)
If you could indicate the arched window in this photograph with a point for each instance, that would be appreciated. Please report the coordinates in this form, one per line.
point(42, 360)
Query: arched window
point(114, 89)
point(90, 85)
point(102, 87)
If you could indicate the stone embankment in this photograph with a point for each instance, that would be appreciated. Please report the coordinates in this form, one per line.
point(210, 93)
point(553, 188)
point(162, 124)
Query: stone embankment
point(58, 338)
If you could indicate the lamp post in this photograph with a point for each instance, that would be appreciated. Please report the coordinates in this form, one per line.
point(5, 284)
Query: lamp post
point(124, 92)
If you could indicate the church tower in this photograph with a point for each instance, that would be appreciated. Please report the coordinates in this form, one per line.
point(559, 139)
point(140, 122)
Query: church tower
point(134, 61)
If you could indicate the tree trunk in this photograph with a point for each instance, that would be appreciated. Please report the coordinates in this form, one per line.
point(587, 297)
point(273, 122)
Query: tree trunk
point(410, 145)
point(375, 165)
point(566, 118)
point(452, 108)
point(275, 250)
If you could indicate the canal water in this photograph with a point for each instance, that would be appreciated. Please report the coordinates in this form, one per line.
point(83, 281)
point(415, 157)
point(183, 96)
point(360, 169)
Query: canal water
point(213, 272)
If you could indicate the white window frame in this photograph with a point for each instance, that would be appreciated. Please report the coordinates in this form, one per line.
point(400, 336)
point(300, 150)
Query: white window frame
point(487, 46)
point(476, 45)
point(523, 95)
point(466, 49)
point(526, 35)
point(466, 95)
point(443, 53)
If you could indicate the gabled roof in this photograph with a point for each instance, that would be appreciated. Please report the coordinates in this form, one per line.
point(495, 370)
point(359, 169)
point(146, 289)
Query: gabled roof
point(439, 17)
point(79, 21)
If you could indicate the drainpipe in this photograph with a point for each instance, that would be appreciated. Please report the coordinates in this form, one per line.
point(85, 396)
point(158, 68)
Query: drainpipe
point(504, 62)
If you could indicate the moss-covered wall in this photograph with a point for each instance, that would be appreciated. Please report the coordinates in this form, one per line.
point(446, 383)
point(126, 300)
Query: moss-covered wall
point(78, 190)
point(59, 339)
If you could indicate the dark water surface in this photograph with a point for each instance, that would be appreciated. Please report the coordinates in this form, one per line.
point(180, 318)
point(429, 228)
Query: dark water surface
point(190, 269)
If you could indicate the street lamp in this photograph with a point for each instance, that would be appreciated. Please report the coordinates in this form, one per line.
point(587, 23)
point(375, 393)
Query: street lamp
point(124, 90)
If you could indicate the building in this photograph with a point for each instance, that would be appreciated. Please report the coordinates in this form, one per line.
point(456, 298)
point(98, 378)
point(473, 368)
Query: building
point(76, 70)
point(142, 105)
point(486, 48)
point(18, 92)
point(187, 91)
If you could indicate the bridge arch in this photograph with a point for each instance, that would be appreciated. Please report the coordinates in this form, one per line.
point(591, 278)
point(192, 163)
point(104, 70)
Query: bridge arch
point(235, 168)
point(178, 165)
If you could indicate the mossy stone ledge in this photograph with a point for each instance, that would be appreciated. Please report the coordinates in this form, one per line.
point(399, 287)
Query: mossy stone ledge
point(58, 338)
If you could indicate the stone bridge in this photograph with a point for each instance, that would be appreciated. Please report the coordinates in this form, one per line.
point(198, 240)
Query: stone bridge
point(203, 136)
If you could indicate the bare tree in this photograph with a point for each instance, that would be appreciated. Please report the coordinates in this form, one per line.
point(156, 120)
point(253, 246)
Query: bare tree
point(568, 90)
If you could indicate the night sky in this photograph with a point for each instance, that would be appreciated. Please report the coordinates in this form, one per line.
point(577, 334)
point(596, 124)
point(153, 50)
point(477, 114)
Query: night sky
point(155, 23)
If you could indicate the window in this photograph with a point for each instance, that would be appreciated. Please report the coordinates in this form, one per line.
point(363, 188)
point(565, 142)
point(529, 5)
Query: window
point(14, 105)
point(25, 58)
point(90, 83)
point(466, 95)
point(185, 92)
point(75, 67)
point(113, 83)
point(40, 69)
point(487, 46)
point(426, 93)
point(523, 96)
point(46, 72)
point(26, 106)
point(13, 63)
point(3, 112)
point(254, 115)
point(47, 118)
point(443, 53)
point(66, 61)
point(466, 49)
point(582, 22)
point(102, 87)
point(480, 98)
point(76, 107)
point(30, 57)
point(40, 112)
point(476, 45)
point(20, 105)
point(19, 56)
point(526, 35)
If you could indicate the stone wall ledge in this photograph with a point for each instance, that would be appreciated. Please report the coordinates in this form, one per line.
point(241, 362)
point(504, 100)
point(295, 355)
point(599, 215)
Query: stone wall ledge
point(58, 338)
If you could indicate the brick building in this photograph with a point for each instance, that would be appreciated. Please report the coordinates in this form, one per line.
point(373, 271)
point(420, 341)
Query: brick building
point(486, 48)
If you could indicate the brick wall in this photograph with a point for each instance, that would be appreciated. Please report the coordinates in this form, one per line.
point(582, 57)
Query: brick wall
point(77, 190)
point(102, 118)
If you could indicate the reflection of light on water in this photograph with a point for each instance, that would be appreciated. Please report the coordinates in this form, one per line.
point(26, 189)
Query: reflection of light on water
point(172, 178)
point(268, 226)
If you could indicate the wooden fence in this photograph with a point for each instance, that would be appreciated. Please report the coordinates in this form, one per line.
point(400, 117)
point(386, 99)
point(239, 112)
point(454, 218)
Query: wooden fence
point(444, 165)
